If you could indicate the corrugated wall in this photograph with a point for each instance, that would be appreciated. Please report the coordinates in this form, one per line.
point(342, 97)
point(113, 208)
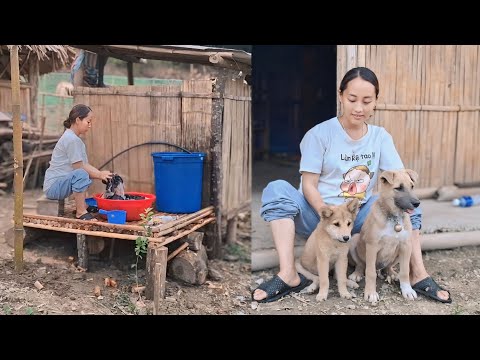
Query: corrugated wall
point(429, 101)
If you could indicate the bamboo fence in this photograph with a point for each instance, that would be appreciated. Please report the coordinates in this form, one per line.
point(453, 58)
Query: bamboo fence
point(429, 101)
point(182, 115)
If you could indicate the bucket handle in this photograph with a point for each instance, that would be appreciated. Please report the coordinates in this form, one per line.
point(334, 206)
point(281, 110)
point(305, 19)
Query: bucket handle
point(147, 143)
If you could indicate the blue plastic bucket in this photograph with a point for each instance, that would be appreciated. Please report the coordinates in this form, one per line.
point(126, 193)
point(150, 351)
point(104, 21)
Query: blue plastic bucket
point(178, 181)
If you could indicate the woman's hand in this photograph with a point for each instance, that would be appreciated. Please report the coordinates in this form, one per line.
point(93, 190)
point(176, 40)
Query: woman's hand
point(310, 190)
point(105, 175)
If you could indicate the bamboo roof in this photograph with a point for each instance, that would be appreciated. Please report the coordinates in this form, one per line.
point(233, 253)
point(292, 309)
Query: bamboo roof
point(51, 57)
point(194, 54)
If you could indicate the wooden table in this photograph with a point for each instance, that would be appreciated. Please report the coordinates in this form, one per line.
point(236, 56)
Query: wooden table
point(161, 235)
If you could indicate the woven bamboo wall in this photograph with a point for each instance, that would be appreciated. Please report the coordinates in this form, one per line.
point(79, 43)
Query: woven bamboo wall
point(236, 147)
point(6, 98)
point(179, 114)
point(429, 101)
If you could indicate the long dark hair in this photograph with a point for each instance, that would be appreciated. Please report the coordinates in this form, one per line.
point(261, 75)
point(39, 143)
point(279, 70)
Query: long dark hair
point(81, 111)
point(362, 72)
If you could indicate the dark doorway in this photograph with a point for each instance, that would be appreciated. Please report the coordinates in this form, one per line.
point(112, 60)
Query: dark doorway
point(293, 89)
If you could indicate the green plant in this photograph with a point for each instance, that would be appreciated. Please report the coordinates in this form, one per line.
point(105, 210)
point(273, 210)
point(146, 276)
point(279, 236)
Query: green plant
point(141, 243)
point(122, 301)
point(238, 249)
point(29, 311)
point(458, 310)
point(7, 309)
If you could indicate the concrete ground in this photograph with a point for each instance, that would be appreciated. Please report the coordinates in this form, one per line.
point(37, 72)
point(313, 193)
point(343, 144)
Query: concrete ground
point(439, 218)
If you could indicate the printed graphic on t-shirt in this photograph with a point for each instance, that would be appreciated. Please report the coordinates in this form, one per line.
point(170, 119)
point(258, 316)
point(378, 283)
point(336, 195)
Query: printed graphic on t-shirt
point(355, 182)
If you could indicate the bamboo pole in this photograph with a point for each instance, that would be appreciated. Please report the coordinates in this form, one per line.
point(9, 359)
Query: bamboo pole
point(88, 232)
point(161, 240)
point(174, 253)
point(427, 107)
point(156, 229)
point(18, 159)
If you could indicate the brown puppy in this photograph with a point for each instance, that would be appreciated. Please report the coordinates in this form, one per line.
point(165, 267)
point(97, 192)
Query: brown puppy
point(385, 238)
point(327, 246)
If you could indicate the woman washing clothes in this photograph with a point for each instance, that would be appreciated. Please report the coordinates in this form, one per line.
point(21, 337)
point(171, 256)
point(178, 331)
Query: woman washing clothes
point(69, 171)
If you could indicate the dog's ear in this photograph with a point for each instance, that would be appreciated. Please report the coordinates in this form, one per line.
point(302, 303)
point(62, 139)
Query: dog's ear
point(325, 212)
point(352, 205)
point(413, 175)
point(387, 176)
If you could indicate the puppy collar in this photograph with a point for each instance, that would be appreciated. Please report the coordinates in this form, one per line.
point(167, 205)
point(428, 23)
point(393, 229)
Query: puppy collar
point(396, 220)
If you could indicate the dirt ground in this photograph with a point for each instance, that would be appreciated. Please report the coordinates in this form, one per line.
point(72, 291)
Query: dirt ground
point(67, 290)
point(458, 270)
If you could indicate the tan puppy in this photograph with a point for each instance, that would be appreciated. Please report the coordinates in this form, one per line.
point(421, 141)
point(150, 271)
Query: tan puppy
point(328, 246)
point(385, 238)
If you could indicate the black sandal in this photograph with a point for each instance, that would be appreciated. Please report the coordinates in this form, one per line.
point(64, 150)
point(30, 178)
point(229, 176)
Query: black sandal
point(87, 216)
point(277, 288)
point(429, 288)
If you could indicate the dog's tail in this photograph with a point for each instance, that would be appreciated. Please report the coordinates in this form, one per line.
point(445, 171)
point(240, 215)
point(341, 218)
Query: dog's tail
point(305, 272)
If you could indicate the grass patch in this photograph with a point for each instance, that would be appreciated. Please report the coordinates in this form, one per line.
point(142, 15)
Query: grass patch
point(239, 249)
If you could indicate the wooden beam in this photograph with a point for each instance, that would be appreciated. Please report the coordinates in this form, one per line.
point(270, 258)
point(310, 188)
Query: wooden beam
point(174, 253)
point(18, 159)
point(33, 76)
point(214, 234)
point(130, 72)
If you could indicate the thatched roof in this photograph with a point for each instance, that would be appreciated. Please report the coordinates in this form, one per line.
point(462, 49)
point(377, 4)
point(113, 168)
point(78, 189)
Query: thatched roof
point(51, 57)
point(194, 54)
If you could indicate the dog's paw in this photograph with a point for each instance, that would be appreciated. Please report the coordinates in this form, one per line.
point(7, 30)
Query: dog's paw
point(310, 289)
point(355, 276)
point(372, 297)
point(322, 295)
point(380, 275)
point(392, 276)
point(346, 295)
point(407, 291)
point(352, 284)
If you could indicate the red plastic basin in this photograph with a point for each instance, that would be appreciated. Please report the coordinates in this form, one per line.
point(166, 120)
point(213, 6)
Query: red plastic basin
point(133, 207)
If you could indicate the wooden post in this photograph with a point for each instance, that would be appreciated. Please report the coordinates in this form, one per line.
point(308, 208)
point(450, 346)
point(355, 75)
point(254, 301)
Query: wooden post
point(112, 249)
point(78, 76)
point(61, 208)
point(130, 72)
point(231, 230)
point(40, 144)
point(214, 236)
point(156, 254)
point(160, 274)
point(82, 249)
point(18, 159)
point(33, 74)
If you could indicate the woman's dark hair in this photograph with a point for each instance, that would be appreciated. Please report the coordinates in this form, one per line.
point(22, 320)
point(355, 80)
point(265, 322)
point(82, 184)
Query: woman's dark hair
point(362, 72)
point(81, 111)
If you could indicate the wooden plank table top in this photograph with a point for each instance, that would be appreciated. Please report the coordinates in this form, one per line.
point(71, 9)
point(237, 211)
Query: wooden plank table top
point(160, 232)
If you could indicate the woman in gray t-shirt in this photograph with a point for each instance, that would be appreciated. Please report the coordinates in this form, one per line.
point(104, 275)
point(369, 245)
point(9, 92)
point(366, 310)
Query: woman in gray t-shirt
point(341, 159)
point(69, 171)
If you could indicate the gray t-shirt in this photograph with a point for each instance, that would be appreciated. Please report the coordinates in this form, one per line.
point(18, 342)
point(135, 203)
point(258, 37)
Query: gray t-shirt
point(348, 168)
point(68, 150)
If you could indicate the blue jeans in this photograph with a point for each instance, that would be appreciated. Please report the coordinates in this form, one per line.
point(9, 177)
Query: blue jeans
point(77, 181)
point(280, 200)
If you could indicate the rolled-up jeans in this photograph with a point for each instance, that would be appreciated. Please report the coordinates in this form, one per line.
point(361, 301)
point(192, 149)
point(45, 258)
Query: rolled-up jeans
point(76, 181)
point(280, 200)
